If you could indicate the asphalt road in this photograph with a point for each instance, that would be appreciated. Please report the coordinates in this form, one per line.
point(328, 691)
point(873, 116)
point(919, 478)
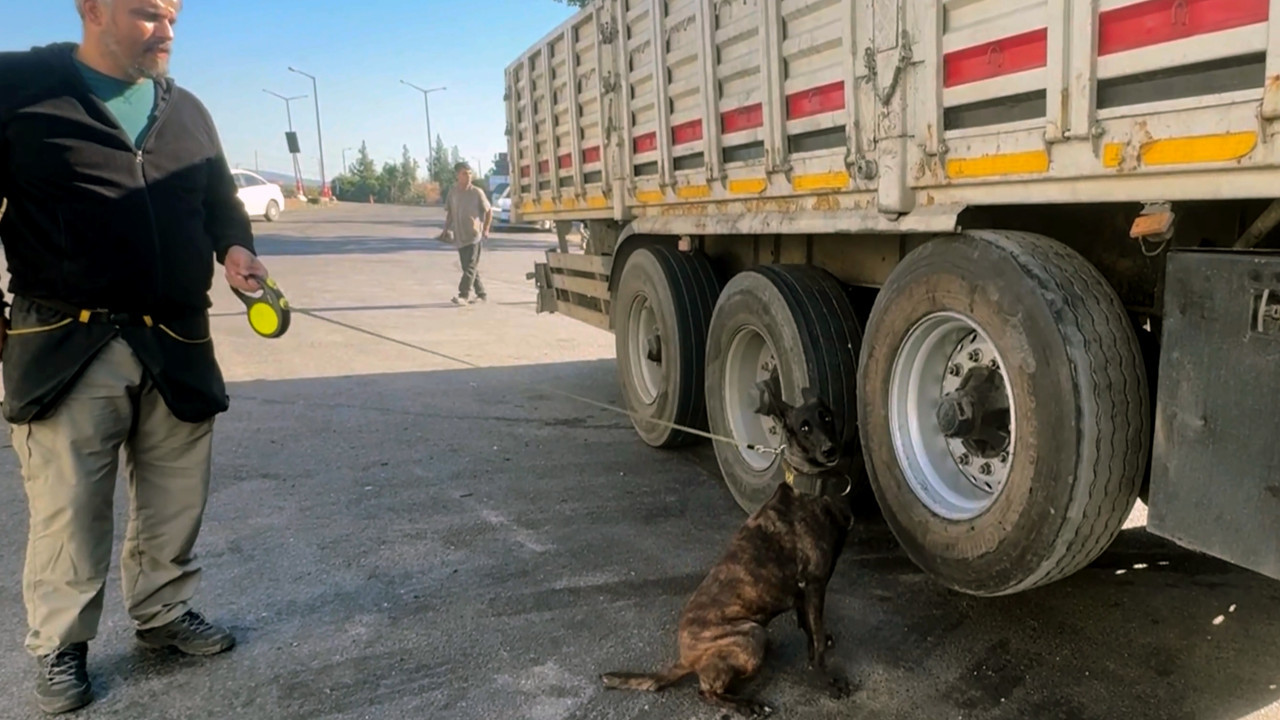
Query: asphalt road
point(397, 534)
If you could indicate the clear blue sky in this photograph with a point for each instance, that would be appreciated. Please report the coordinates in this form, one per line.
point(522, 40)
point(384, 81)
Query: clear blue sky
point(227, 51)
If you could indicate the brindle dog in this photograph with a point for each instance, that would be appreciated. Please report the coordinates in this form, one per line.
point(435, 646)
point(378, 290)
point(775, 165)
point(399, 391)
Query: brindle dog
point(781, 558)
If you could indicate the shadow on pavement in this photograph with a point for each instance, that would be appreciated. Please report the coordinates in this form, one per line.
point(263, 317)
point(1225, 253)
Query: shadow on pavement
point(457, 544)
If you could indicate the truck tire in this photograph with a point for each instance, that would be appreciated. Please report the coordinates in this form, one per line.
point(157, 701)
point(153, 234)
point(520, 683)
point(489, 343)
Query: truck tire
point(661, 310)
point(1002, 338)
point(797, 320)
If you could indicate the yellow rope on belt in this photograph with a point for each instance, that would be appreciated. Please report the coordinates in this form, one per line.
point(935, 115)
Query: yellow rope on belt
point(46, 328)
point(84, 317)
point(179, 338)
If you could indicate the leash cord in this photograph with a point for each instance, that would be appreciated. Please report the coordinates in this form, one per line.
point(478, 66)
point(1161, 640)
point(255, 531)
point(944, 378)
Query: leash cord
point(588, 401)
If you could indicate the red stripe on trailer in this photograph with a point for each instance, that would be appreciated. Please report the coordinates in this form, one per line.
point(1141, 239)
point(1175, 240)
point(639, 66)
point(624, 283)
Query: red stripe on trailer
point(525, 171)
point(566, 161)
point(1006, 56)
point(591, 155)
point(749, 117)
point(544, 166)
point(686, 133)
point(646, 143)
point(816, 101)
point(1160, 21)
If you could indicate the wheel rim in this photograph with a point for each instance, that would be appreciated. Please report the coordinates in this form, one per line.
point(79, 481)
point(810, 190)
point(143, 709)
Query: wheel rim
point(952, 416)
point(751, 358)
point(645, 349)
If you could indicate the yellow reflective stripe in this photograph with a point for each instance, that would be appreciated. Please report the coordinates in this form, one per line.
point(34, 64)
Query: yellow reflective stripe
point(821, 181)
point(1020, 163)
point(1189, 150)
point(753, 186)
point(693, 192)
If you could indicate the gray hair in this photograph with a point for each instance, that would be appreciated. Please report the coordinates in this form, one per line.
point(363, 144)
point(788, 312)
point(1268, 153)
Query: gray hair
point(80, 5)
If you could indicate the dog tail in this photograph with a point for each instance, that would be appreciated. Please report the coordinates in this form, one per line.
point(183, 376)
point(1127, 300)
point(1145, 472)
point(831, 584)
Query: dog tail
point(645, 682)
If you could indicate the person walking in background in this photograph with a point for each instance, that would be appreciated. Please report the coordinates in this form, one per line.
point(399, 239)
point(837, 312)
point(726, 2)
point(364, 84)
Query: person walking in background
point(468, 217)
point(119, 201)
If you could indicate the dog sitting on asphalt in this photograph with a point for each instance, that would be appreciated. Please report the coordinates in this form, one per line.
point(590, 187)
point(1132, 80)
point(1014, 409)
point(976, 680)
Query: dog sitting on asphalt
point(781, 559)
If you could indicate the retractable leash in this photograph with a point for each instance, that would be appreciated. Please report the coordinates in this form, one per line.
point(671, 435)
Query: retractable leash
point(544, 388)
point(269, 313)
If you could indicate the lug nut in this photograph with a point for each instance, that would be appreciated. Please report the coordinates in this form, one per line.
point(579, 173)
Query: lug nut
point(995, 365)
point(955, 370)
point(1004, 458)
point(975, 355)
point(964, 459)
point(986, 469)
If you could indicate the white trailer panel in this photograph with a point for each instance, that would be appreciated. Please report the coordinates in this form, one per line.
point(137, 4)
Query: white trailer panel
point(889, 115)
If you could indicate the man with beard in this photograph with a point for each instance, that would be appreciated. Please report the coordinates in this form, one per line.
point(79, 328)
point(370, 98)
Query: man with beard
point(119, 202)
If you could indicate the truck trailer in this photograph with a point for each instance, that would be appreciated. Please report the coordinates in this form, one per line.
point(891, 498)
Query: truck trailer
point(1020, 246)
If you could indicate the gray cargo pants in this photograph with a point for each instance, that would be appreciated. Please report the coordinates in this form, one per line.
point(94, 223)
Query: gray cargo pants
point(69, 464)
point(469, 255)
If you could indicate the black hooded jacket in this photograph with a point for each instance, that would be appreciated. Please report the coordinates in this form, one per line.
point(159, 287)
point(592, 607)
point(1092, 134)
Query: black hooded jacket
point(95, 223)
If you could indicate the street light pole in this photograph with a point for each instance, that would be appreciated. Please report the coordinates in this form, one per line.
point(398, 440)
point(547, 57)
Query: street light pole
point(297, 167)
point(315, 89)
point(345, 167)
point(426, 103)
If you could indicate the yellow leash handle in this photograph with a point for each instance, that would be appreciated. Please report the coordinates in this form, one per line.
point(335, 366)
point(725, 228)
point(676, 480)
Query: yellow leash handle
point(269, 312)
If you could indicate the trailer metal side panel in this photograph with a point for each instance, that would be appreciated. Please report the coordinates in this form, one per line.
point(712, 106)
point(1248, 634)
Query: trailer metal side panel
point(859, 113)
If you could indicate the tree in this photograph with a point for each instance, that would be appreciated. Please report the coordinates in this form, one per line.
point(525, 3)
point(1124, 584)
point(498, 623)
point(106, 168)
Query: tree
point(441, 170)
point(576, 3)
point(361, 181)
point(397, 179)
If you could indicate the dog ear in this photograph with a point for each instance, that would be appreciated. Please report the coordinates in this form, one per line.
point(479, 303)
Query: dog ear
point(808, 395)
point(771, 404)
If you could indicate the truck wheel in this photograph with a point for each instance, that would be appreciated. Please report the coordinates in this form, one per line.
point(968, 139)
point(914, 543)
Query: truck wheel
point(661, 310)
point(1003, 409)
point(794, 320)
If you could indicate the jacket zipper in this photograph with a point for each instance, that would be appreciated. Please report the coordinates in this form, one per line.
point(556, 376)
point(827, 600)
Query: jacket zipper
point(146, 192)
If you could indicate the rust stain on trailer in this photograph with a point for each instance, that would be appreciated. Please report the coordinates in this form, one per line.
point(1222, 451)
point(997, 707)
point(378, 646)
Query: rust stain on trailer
point(687, 210)
point(1271, 98)
point(783, 205)
point(826, 203)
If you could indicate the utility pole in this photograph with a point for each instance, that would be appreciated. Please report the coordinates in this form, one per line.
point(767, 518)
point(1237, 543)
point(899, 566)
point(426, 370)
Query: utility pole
point(345, 166)
point(315, 89)
point(426, 103)
point(293, 149)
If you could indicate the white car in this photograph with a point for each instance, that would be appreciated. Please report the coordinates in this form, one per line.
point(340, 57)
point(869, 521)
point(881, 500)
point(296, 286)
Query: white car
point(502, 212)
point(260, 198)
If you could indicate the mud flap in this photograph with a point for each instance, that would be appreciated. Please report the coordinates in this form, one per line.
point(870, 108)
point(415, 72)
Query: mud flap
point(1215, 476)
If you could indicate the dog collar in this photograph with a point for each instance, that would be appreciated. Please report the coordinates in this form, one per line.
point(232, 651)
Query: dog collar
point(804, 484)
point(815, 485)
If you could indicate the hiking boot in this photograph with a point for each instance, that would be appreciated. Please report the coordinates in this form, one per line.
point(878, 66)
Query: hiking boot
point(190, 634)
point(63, 684)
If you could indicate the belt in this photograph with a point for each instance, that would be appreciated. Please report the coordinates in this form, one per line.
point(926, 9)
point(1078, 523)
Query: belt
point(98, 316)
point(102, 317)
